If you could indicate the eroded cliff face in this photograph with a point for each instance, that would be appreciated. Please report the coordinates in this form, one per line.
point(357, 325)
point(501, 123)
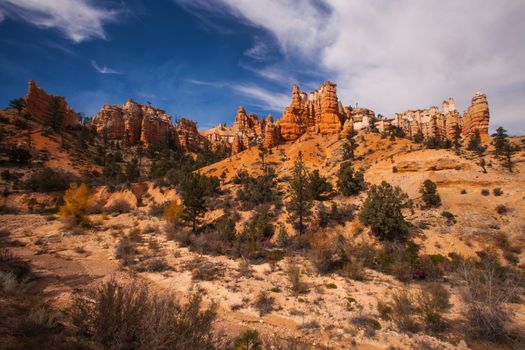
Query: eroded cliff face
point(37, 102)
point(476, 118)
point(447, 123)
point(321, 112)
point(134, 123)
point(318, 112)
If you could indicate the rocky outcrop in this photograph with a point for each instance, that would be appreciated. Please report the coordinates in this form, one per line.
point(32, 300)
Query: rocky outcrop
point(135, 123)
point(37, 103)
point(361, 117)
point(476, 118)
point(318, 112)
point(446, 123)
point(272, 134)
point(330, 122)
point(189, 137)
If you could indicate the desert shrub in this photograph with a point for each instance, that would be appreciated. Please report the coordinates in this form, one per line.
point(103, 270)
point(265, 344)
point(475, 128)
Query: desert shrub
point(20, 155)
point(403, 311)
point(394, 169)
point(158, 209)
point(497, 191)
point(226, 229)
point(350, 183)
point(429, 194)
point(204, 270)
point(48, 180)
point(367, 323)
point(119, 206)
point(329, 254)
point(126, 251)
point(294, 274)
point(501, 209)
point(264, 303)
point(154, 264)
point(257, 190)
point(355, 269)
point(249, 340)
point(451, 218)
point(485, 192)
point(134, 317)
point(77, 203)
point(173, 213)
point(432, 302)
point(463, 191)
point(382, 211)
point(487, 287)
point(12, 264)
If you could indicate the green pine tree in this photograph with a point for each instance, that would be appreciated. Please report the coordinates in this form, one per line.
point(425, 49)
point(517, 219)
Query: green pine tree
point(194, 189)
point(382, 211)
point(54, 114)
point(300, 204)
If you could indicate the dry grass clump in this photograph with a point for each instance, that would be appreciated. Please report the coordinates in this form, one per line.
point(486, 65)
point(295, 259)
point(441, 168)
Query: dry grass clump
point(264, 303)
point(132, 316)
point(367, 323)
point(204, 270)
point(119, 206)
point(487, 290)
point(126, 251)
point(294, 274)
point(424, 310)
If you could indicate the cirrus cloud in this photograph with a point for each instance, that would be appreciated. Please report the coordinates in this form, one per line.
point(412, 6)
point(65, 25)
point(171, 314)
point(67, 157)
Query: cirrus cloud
point(78, 20)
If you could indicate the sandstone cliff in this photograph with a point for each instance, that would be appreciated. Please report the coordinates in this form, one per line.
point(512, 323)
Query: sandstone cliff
point(476, 118)
point(37, 102)
point(446, 123)
point(134, 123)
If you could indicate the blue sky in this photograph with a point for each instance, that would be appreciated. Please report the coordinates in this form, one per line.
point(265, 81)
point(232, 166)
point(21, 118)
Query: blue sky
point(202, 59)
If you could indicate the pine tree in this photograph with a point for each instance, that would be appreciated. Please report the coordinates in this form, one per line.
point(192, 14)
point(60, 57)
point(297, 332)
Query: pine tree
point(318, 186)
point(429, 194)
point(18, 104)
point(300, 204)
point(500, 140)
point(507, 153)
point(349, 148)
point(350, 183)
point(382, 211)
point(54, 113)
point(193, 190)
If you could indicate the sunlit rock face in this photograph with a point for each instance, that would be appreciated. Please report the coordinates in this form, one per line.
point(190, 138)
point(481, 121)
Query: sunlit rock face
point(37, 101)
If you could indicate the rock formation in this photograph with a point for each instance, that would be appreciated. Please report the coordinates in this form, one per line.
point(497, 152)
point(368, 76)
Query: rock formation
point(476, 118)
point(272, 133)
point(37, 103)
point(446, 123)
point(321, 112)
point(134, 123)
point(318, 112)
point(330, 122)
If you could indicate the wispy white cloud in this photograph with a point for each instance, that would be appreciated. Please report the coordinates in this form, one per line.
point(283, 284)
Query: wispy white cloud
point(104, 69)
point(259, 51)
point(78, 20)
point(263, 97)
point(271, 100)
point(389, 55)
point(207, 83)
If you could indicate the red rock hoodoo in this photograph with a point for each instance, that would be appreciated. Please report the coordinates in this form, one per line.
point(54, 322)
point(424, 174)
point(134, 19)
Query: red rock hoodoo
point(37, 101)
